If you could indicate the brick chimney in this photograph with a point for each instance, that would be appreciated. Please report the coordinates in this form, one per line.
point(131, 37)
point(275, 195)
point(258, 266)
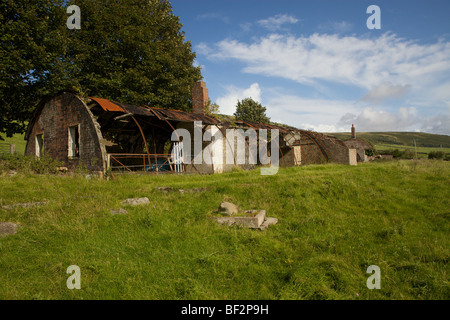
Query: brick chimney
point(353, 132)
point(199, 97)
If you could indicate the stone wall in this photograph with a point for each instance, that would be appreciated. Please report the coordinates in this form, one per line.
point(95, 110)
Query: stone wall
point(53, 121)
point(360, 146)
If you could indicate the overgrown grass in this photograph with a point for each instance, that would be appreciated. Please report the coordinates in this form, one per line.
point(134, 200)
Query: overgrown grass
point(334, 222)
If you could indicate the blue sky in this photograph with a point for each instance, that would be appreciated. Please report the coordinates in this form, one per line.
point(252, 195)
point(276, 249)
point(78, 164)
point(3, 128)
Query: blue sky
point(316, 65)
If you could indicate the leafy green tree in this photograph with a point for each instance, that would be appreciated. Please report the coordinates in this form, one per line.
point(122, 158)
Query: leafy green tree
point(31, 45)
point(131, 51)
point(249, 110)
point(211, 108)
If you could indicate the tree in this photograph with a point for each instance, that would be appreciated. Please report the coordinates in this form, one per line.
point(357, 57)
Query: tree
point(211, 108)
point(250, 110)
point(31, 43)
point(131, 51)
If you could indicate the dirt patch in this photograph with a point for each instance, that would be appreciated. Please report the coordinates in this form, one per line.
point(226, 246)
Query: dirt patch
point(7, 228)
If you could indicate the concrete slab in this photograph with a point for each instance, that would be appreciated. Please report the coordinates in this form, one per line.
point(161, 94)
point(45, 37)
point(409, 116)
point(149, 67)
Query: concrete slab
point(135, 201)
point(253, 220)
point(268, 222)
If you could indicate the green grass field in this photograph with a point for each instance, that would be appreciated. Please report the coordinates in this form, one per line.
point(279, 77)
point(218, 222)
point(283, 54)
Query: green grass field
point(18, 140)
point(334, 222)
point(422, 152)
point(422, 139)
point(388, 141)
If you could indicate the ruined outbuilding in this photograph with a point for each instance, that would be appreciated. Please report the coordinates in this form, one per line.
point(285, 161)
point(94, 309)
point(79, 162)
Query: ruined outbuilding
point(361, 146)
point(99, 135)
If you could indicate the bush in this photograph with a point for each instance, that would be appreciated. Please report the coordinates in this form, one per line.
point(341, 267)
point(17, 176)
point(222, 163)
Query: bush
point(401, 154)
point(40, 165)
point(436, 155)
point(408, 154)
point(396, 153)
point(370, 152)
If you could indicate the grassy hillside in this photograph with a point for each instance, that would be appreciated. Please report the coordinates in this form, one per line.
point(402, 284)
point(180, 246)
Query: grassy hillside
point(334, 222)
point(400, 138)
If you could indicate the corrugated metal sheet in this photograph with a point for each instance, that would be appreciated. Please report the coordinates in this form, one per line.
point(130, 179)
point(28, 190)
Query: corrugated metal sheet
point(107, 105)
point(179, 115)
point(161, 114)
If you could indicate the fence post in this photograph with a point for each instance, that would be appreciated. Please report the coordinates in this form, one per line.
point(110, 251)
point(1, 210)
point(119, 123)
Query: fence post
point(12, 148)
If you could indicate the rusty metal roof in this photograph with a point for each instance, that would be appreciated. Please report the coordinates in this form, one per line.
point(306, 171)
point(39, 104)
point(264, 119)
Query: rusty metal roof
point(161, 114)
point(107, 105)
point(179, 115)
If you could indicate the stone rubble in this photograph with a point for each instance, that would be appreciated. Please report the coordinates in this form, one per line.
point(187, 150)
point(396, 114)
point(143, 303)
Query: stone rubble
point(135, 201)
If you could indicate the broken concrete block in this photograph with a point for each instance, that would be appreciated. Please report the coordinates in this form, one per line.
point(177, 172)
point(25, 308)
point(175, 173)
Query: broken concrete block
point(228, 208)
point(267, 223)
point(7, 228)
point(253, 220)
point(135, 201)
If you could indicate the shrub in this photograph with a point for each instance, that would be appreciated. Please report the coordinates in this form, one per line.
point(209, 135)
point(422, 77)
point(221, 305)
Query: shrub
point(396, 153)
point(436, 155)
point(408, 154)
point(40, 165)
point(370, 152)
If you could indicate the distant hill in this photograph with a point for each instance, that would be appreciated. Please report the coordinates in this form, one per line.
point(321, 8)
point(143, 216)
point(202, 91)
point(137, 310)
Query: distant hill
point(399, 138)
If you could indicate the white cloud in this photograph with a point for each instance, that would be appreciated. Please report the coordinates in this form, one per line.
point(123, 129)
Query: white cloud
point(276, 22)
point(364, 63)
point(370, 119)
point(385, 91)
point(439, 124)
point(406, 119)
point(246, 27)
point(312, 114)
point(324, 115)
point(386, 67)
point(228, 102)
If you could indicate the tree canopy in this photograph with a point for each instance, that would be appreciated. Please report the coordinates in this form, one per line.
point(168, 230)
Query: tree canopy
point(249, 110)
point(131, 51)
